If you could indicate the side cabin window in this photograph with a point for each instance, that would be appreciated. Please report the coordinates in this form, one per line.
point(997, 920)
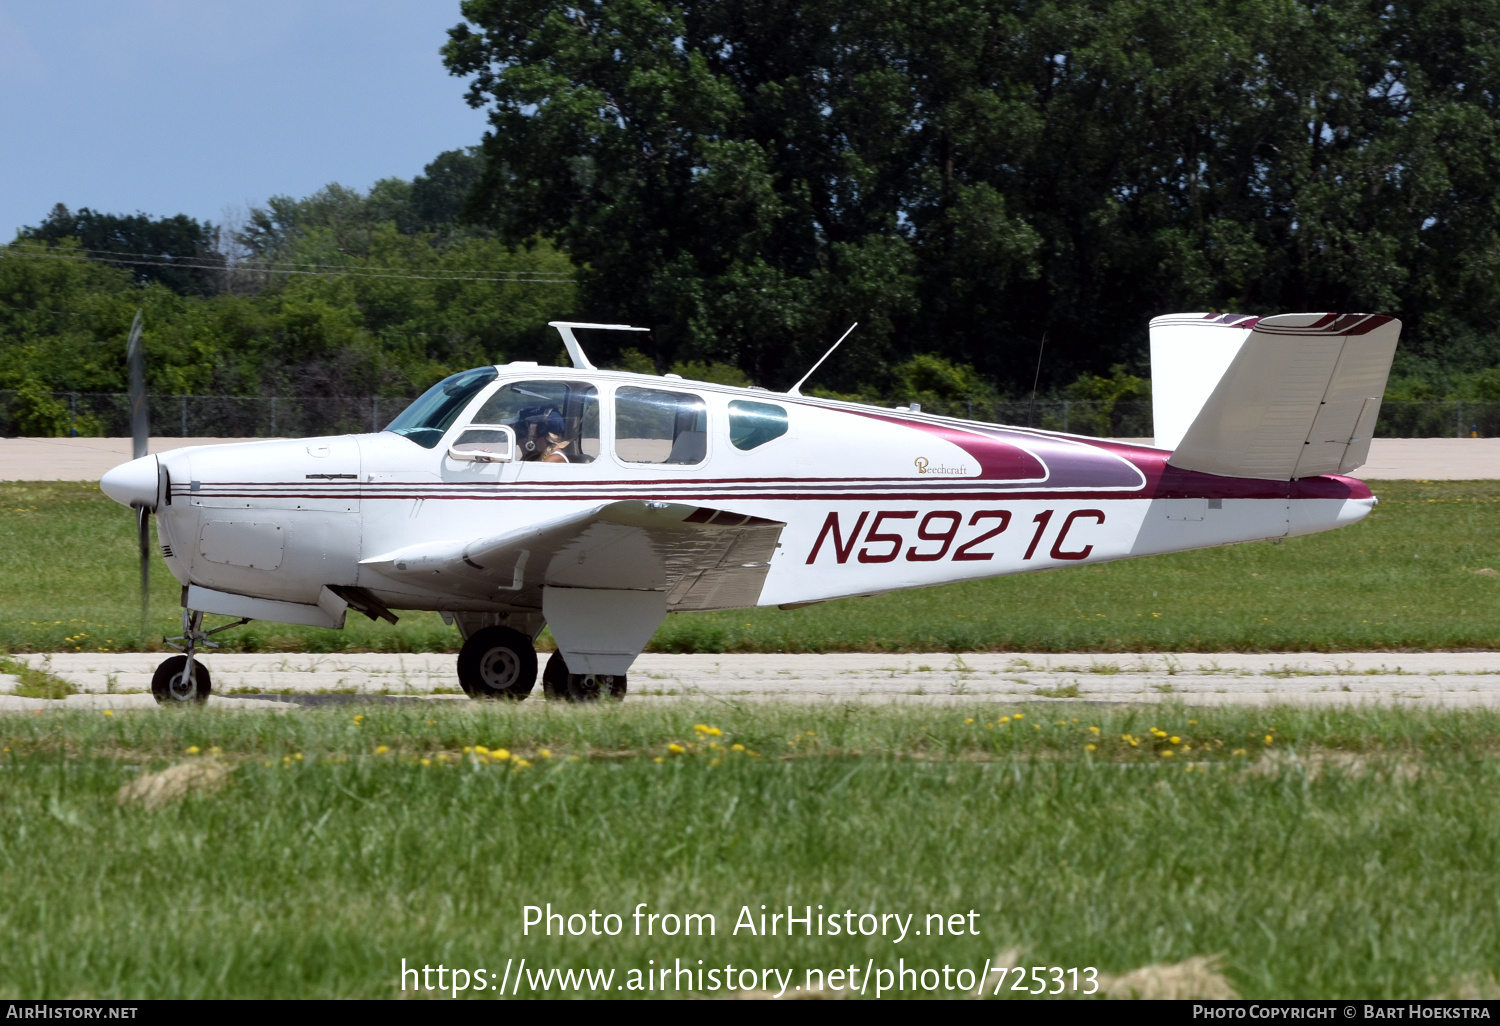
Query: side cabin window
point(656, 426)
point(755, 424)
point(554, 421)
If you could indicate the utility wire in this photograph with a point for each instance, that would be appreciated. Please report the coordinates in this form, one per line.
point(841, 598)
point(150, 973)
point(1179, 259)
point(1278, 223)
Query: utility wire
point(343, 271)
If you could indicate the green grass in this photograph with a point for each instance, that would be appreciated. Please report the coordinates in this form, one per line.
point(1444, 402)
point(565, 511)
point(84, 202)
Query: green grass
point(1404, 579)
point(1357, 861)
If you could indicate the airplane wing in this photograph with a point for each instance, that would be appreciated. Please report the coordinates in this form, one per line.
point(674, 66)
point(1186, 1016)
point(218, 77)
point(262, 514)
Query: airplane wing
point(703, 558)
point(1300, 398)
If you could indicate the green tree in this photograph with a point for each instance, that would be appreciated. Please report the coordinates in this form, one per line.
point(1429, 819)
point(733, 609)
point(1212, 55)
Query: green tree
point(963, 177)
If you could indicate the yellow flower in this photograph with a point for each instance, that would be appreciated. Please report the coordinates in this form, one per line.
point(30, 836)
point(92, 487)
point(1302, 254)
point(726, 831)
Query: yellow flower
point(467, 749)
point(657, 758)
point(1090, 748)
point(381, 749)
point(1192, 723)
point(298, 757)
point(1094, 730)
point(675, 748)
point(545, 753)
point(481, 750)
point(968, 721)
point(736, 747)
point(1268, 739)
point(216, 750)
point(1174, 739)
point(521, 764)
point(1020, 716)
point(193, 749)
point(1005, 719)
point(1239, 751)
point(109, 712)
point(359, 718)
point(501, 754)
point(1166, 753)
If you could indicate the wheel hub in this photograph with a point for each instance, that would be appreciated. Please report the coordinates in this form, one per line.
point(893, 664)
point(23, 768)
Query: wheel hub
point(182, 688)
point(500, 668)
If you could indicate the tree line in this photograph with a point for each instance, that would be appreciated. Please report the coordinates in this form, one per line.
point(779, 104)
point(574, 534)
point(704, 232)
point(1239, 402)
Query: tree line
point(979, 184)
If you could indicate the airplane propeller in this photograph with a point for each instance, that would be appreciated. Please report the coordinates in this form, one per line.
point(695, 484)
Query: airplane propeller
point(140, 433)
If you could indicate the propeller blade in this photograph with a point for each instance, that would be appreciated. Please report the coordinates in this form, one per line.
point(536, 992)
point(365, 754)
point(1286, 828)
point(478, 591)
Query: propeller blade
point(135, 357)
point(143, 526)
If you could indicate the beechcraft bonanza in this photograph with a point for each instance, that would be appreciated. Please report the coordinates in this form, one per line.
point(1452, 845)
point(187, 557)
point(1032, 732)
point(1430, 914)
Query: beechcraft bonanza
point(596, 502)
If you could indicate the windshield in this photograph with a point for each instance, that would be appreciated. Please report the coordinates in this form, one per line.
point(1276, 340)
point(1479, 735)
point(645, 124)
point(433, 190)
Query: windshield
point(435, 410)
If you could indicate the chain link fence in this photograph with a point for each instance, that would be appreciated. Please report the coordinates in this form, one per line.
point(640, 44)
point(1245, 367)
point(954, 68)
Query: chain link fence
point(53, 414)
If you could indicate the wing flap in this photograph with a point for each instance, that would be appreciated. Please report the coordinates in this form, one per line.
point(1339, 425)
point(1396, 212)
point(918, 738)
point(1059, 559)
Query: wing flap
point(702, 557)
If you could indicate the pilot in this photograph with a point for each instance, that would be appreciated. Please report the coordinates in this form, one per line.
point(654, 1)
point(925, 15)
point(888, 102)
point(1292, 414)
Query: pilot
point(539, 432)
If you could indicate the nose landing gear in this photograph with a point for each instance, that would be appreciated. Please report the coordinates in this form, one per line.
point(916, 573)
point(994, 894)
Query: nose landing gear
point(182, 678)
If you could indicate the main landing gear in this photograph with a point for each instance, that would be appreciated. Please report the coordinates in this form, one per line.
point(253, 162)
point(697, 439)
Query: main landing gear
point(497, 662)
point(501, 662)
point(580, 687)
point(181, 678)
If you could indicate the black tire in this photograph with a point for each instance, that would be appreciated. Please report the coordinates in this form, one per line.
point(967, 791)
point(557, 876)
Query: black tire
point(169, 688)
point(497, 662)
point(580, 687)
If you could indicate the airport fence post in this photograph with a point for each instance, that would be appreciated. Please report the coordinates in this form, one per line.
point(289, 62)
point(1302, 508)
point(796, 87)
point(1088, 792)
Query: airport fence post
point(273, 416)
point(184, 415)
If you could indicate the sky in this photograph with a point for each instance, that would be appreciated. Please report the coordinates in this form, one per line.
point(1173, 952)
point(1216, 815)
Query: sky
point(209, 107)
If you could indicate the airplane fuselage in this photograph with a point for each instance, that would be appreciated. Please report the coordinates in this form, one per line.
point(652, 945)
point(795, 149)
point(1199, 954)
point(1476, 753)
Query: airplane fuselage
point(872, 500)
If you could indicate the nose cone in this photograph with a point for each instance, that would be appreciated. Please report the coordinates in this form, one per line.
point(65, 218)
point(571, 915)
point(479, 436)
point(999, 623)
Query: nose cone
point(133, 483)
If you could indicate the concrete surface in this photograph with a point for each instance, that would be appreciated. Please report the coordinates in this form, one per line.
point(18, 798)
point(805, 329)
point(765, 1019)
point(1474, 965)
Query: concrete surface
point(86, 459)
point(1434, 679)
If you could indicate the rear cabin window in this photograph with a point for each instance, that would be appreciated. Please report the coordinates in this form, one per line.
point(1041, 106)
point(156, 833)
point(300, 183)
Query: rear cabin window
point(554, 421)
point(754, 424)
point(656, 426)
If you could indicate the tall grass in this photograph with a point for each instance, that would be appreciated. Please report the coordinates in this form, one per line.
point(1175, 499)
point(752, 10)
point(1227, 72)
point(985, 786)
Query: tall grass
point(1355, 859)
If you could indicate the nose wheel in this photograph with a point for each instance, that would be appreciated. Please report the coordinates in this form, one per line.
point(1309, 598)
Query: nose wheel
point(580, 687)
point(497, 662)
point(173, 683)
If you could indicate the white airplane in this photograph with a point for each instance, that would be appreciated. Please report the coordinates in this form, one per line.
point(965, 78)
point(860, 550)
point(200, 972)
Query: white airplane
point(596, 502)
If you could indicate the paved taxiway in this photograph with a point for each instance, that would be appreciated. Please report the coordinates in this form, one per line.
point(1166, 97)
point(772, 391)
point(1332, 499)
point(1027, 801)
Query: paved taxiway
point(286, 681)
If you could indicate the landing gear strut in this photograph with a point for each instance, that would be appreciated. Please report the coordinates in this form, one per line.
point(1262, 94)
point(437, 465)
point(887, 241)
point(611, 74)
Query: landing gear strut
point(580, 687)
point(497, 662)
point(182, 678)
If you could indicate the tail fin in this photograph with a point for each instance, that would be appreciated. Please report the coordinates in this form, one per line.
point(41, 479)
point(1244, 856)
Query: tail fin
point(1298, 395)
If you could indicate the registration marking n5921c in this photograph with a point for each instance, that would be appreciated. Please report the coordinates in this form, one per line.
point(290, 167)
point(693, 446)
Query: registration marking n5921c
point(884, 539)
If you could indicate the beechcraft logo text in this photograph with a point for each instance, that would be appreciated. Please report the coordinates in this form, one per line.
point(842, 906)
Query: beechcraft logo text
point(925, 467)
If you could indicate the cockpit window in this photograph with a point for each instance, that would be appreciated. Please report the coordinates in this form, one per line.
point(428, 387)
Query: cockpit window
point(428, 419)
point(554, 421)
point(754, 424)
point(653, 426)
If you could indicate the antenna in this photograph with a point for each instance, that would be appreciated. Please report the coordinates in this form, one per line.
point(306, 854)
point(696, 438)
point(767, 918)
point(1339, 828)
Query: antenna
point(575, 351)
point(797, 388)
point(1035, 380)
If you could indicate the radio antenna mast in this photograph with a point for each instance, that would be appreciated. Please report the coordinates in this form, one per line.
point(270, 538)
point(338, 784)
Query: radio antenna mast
point(797, 388)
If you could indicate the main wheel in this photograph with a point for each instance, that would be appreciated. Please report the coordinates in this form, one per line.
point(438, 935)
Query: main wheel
point(169, 684)
point(497, 662)
point(580, 687)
